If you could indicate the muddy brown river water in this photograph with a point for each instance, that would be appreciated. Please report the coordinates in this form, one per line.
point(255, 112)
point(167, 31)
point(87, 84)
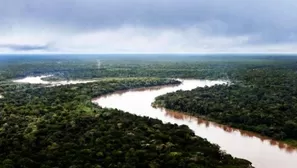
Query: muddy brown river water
point(261, 151)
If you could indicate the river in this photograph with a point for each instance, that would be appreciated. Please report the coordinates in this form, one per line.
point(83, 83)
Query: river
point(39, 80)
point(261, 151)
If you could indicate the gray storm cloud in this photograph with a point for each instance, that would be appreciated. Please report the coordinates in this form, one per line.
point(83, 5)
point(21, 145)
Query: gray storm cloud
point(264, 21)
point(16, 47)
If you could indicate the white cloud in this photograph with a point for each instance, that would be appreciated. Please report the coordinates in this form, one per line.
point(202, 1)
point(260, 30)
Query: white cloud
point(129, 39)
point(148, 40)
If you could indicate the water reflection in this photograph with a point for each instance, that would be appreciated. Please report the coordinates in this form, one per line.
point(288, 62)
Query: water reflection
point(206, 123)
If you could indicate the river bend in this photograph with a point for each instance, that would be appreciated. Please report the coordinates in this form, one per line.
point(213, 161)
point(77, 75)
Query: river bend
point(261, 151)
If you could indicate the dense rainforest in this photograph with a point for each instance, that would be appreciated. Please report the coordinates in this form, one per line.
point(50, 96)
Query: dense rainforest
point(84, 67)
point(262, 99)
point(42, 126)
point(61, 127)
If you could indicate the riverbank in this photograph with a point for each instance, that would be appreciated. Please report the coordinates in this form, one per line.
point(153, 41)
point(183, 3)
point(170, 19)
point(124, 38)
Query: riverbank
point(291, 142)
point(236, 106)
point(263, 152)
point(287, 144)
point(60, 127)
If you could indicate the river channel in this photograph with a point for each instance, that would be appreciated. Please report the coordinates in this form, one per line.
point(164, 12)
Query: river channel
point(261, 151)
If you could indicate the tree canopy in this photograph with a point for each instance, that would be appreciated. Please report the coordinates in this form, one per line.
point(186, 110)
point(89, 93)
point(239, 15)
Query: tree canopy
point(260, 99)
point(60, 127)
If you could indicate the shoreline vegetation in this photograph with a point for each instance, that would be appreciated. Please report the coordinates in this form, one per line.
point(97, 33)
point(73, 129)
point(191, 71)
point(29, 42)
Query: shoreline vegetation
point(60, 127)
point(264, 102)
point(290, 142)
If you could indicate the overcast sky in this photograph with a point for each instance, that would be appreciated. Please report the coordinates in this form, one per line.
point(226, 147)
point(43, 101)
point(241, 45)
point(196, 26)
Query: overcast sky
point(147, 26)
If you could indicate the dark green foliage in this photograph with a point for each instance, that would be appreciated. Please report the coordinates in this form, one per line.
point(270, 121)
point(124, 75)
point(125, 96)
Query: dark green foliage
point(262, 100)
point(210, 67)
point(60, 127)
